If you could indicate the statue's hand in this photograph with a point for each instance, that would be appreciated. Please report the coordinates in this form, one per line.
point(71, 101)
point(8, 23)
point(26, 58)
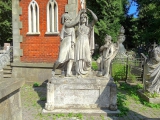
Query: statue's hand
point(92, 51)
point(89, 10)
point(105, 46)
point(72, 44)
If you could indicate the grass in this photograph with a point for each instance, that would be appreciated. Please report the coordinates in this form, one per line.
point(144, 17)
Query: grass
point(131, 91)
point(126, 96)
point(94, 65)
point(36, 84)
point(152, 95)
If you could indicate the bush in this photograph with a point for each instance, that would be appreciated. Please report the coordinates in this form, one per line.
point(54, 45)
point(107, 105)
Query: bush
point(36, 84)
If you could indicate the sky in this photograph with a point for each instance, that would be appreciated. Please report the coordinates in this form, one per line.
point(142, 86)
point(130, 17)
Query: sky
point(133, 9)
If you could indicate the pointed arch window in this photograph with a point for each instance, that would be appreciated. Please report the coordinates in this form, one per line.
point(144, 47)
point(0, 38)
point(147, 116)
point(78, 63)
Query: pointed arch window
point(52, 17)
point(33, 18)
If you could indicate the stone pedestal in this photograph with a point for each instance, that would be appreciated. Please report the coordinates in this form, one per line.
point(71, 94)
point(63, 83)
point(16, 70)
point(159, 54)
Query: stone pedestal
point(81, 93)
point(10, 99)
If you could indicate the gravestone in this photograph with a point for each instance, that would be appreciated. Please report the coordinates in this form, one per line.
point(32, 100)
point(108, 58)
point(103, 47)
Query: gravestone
point(78, 87)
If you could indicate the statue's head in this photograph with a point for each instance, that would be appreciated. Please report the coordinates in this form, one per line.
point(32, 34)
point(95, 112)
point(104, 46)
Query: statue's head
point(121, 38)
point(156, 53)
point(84, 18)
point(122, 30)
point(66, 18)
point(107, 39)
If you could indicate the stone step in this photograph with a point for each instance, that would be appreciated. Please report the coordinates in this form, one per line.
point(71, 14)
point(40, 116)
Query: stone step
point(7, 75)
point(8, 71)
point(7, 67)
point(95, 112)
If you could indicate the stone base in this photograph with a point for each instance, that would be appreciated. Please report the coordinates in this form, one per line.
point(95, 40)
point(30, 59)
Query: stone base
point(81, 93)
point(95, 112)
point(146, 98)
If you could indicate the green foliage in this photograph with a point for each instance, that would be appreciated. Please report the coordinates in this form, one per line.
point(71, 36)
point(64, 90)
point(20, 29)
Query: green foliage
point(36, 84)
point(122, 104)
point(94, 65)
point(43, 98)
point(102, 117)
point(132, 92)
point(149, 20)
point(151, 105)
point(60, 115)
point(118, 71)
point(70, 115)
point(5, 21)
point(145, 28)
point(109, 14)
point(152, 95)
point(79, 116)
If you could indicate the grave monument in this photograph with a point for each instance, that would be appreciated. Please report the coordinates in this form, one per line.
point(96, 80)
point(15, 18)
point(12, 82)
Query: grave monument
point(121, 38)
point(78, 87)
point(152, 73)
point(151, 76)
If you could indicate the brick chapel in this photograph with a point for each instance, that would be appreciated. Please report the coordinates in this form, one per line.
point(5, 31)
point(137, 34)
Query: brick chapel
point(36, 27)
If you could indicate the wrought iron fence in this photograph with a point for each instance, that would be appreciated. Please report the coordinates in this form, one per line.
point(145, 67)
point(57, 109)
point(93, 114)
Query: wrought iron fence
point(6, 56)
point(126, 68)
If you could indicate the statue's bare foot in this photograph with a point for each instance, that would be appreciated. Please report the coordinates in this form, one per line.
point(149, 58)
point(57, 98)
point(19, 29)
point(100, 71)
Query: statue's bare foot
point(106, 76)
point(69, 75)
point(99, 74)
point(53, 73)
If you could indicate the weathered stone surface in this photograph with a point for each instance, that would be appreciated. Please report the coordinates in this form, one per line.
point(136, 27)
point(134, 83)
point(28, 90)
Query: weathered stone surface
point(93, 112)
point(32, 72)
point(10, 101)
point(83, 93)
point(150, 100)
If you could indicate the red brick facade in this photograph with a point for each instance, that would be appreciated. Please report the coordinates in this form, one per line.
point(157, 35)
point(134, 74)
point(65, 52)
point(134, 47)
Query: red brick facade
point(40, 48)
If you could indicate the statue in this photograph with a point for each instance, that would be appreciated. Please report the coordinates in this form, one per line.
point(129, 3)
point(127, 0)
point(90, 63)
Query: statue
point(121, 37)
point(108, 52)
point(90, 92)
point(153, 83)
point(66, 53)
point(83, 4)
point(84, 45)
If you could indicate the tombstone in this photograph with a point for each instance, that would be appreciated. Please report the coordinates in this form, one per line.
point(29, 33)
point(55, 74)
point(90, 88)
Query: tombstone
point(80, 89)
point(6, 46)
point(151, 76)
point(121, 38)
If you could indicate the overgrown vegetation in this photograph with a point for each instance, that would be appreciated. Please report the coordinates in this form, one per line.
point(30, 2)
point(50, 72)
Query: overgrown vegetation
point(118, 71)
point(131, 92)
point(36, 84)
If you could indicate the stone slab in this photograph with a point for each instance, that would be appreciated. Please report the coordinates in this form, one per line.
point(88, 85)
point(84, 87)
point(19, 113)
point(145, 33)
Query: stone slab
point(80, 93)
point(150, 100)
point(95, 112)
point(8, 85)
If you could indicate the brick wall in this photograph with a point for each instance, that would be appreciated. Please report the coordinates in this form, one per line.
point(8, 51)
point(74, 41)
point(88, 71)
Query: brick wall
point(40, 48)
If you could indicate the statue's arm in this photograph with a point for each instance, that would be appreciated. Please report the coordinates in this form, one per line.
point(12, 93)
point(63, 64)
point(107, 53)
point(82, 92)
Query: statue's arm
point(101, 48)
point(111, 49)
point(95, 19)
point(74, 22)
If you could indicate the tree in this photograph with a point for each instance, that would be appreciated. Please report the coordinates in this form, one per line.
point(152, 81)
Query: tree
point(5, 21)
point(149, 21)
point(110, 13)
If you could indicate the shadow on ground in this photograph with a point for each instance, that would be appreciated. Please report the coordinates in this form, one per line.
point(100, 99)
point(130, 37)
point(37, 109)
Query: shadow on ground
point(42, 93)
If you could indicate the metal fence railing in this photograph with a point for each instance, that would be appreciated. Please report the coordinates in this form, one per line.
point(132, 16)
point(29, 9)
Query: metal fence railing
point(126, 67)
point(6, 56)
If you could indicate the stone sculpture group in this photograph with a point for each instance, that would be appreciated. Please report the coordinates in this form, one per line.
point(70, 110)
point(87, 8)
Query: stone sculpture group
point(76, 46)
point(80, 87)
